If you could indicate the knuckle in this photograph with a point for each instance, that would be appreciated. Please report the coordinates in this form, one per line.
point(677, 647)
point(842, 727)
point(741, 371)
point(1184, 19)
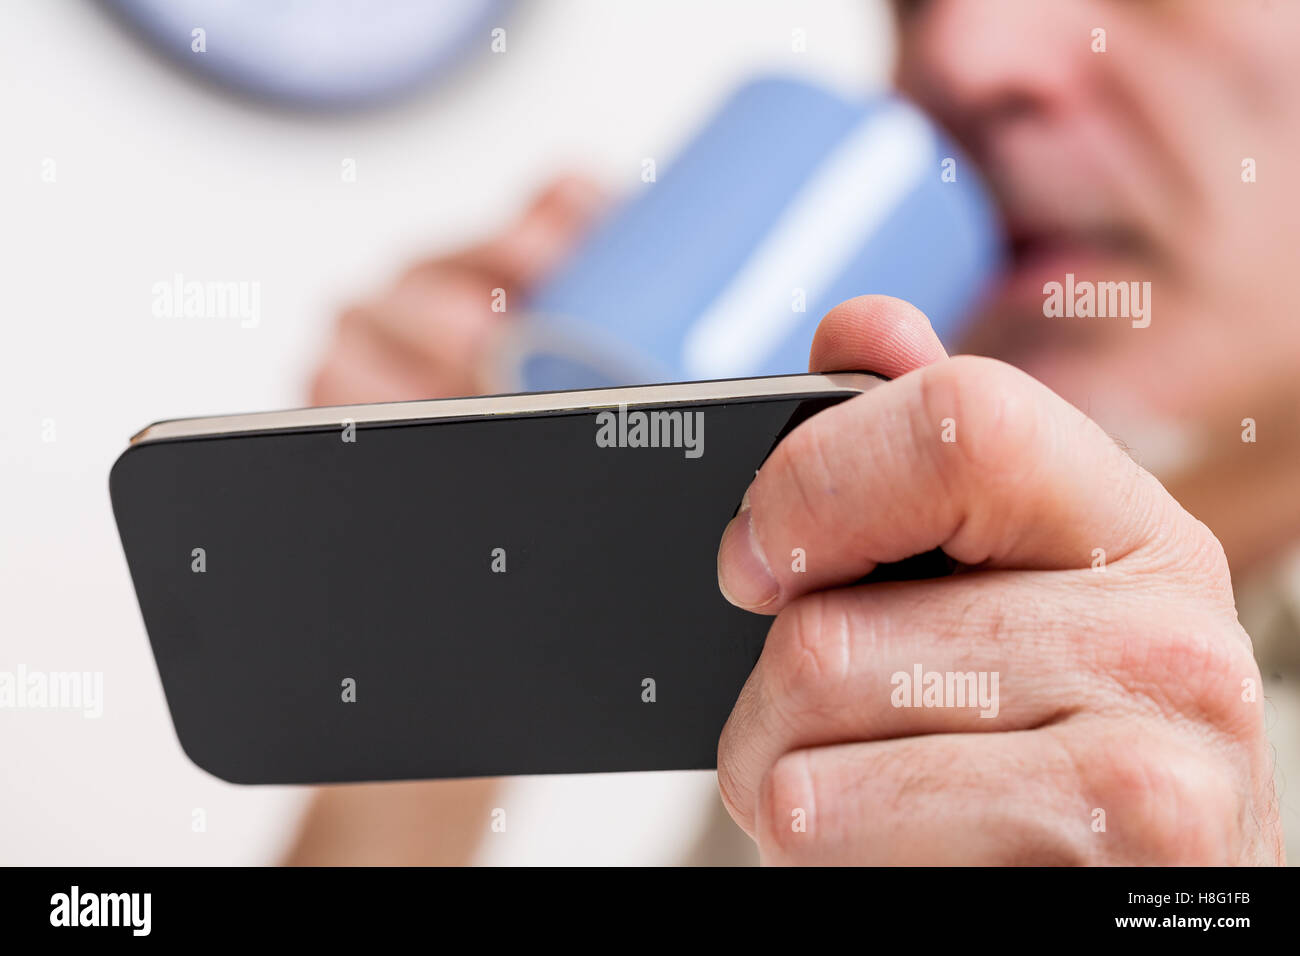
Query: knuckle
point(1189, 650)
point(996, 417)
point(786, 802)
point(1208, 561)
point(1166, 802)
point(1184, 555)
point(803, 460)
point(1189, 669)
point(811, 655)
point(1213, 669)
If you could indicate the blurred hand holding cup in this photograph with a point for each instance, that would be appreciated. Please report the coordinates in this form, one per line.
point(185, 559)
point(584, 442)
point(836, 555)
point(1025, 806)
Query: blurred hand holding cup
point(789, 200)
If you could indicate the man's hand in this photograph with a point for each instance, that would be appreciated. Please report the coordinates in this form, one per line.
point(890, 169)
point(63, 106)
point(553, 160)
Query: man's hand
point(432, 333)
point(1092, 625)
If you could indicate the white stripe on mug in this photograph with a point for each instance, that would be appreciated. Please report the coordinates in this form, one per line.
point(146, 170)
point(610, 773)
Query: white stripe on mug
point(855, 189)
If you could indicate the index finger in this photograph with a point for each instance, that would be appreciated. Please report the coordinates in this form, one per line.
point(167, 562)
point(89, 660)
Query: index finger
point(966, 454)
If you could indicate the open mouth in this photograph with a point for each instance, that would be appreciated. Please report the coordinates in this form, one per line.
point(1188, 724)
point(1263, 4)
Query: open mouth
point(1038, 256)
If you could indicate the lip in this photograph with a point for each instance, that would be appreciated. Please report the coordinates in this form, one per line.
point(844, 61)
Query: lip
point(1036, 261)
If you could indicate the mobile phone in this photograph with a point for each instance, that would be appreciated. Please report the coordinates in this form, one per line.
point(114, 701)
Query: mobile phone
point(513, 584)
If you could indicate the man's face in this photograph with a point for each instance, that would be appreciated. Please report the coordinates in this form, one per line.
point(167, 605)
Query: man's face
point(1127, 165)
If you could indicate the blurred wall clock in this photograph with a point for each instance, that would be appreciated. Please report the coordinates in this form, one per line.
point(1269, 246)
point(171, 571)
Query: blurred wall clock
point(315, 53)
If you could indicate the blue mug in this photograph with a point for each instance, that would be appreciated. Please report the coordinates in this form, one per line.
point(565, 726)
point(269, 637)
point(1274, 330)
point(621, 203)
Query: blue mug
point(788, 201)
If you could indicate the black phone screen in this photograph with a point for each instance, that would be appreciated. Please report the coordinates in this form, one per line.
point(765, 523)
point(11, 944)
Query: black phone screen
point(505, 595)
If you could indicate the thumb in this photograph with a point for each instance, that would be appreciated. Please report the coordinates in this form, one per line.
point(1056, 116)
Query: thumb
point(875, 333)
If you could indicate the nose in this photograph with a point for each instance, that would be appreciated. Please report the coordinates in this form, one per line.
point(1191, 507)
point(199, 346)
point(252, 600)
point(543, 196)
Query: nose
point(972, 63)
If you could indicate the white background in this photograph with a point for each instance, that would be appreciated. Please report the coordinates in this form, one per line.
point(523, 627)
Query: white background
point(157, 174)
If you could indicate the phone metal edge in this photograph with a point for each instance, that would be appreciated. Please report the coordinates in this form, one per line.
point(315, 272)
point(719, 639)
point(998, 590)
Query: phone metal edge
point(521, 404)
